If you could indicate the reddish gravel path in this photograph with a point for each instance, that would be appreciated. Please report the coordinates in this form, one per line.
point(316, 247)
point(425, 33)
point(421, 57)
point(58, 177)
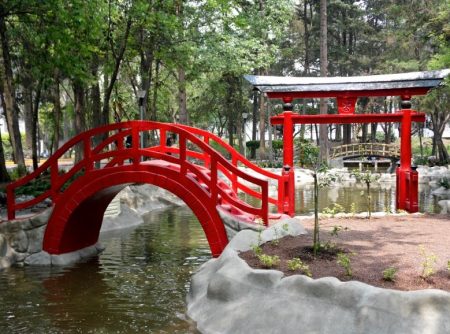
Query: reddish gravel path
point(378, 243)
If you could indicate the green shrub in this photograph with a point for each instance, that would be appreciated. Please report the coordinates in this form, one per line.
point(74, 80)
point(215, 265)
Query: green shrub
point(268, 261)
point(444, 182)
point(389, 274)
point(17, 172)
point(429, 260)
point(308, 152)
point(344, 261)
point(297, 264)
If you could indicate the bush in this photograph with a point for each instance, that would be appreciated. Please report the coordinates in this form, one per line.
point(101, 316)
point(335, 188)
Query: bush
point(389, 274)
point(308, 152)
point(444, 182)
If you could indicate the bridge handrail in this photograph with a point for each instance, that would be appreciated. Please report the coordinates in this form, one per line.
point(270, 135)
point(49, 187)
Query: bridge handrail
point(119, 155)
point(237, 158)
point(365, 148)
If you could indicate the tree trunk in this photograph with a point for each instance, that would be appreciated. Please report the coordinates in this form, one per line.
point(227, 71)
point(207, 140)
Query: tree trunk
point(34, 129)
point(262, 128)
point(56, 94)
point(269, 114)
point(347, 134)
point(182, 110)
point(79, 125)
point(254, 115)
point(9, 98)
point(4, 176)
point(153, 109)
point(323, 135)
point(113, 79)
point(28, 114)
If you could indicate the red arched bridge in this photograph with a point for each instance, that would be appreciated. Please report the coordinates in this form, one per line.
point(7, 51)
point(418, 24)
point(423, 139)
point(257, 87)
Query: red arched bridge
point(114, 157)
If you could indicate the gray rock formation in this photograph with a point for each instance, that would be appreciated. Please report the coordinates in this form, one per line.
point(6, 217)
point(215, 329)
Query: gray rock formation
point(227, 296)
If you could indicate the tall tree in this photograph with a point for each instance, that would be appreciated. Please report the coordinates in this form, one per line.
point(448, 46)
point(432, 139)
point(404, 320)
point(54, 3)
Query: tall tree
point(9, 90)
point(323, 129)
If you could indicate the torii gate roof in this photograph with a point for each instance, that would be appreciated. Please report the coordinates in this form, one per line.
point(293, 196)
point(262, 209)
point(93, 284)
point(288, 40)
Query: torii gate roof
point(413, 83)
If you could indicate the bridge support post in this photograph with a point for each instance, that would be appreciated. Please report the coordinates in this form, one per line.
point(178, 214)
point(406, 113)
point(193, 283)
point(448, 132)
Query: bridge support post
point(407, 178)
point(288, 158)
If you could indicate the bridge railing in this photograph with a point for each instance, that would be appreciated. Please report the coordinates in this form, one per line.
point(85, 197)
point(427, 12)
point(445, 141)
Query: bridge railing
point(119, 146)
point(238, 159)
point(365, 149)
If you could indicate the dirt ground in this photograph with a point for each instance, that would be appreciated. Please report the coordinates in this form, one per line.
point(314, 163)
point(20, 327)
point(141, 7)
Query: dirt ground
point(373, 246)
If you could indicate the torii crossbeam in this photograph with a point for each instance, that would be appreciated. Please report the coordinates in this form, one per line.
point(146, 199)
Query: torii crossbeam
point(347, 90)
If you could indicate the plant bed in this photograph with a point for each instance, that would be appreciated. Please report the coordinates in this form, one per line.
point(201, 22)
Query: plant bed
point(416, 246)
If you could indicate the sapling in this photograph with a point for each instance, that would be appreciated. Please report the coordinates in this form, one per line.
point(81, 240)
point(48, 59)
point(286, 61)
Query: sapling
point(429, 260)
point(326, 180)
point(344, 261)
point(367, 177)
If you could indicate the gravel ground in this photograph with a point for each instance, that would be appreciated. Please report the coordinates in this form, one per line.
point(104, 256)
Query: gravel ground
point(373, 246)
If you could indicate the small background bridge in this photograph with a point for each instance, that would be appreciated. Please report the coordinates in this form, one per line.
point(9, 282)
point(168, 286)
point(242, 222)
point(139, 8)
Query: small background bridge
point(350, 151)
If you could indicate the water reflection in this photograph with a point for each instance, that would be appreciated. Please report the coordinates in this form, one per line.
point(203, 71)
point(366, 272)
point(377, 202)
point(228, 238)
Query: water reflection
point(138, 284)
point(382, 198)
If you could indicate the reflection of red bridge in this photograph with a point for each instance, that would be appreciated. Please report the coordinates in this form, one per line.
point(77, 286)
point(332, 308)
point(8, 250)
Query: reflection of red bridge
point(191, 171)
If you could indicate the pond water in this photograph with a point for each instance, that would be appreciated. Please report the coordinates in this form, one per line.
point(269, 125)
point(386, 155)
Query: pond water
point(139, 283)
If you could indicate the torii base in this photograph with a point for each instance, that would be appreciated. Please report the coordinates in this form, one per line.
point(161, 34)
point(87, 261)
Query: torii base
point(407, 190)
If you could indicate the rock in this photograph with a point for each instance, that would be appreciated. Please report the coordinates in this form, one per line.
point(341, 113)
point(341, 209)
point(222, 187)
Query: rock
point(35, 239)
point(65, 259)
point(19, 241)
point(74, 257)
point(286, 227)
point(445, 206)
point(38, 259)
point(41, 218)
point(3, 246)
point(126, 218)
point(244, 240)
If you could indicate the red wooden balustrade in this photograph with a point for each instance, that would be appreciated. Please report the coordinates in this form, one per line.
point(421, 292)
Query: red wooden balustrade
point(193, 151)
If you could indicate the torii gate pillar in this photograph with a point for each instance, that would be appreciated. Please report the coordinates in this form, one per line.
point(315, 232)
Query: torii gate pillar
point(407, 177)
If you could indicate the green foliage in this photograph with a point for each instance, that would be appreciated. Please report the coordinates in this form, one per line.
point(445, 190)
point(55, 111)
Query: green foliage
point(444, 182)
point(336, 208)
point(268, 261)
point(336, 229)
point(353, 209)
point(252, 144)
point(428, 262)
point(268, 164)
point(308, 153)
point(344, 261)
point(389, 274)
point(297, 264)
point(448, 266)
point(257, 250)
point(35, 187)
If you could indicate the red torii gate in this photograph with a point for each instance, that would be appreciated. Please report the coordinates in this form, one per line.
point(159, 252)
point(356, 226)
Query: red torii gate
point(347, 90)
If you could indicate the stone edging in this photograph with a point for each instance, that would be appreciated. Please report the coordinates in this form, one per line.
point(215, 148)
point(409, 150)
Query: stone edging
point(227, 296)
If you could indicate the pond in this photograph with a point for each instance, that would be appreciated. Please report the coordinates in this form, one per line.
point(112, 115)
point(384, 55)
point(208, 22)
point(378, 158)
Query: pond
point(139, 283)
